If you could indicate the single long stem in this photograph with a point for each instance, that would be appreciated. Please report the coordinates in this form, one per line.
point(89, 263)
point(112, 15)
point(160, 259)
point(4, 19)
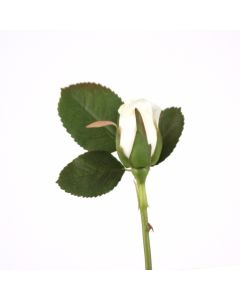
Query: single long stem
point(143, 204)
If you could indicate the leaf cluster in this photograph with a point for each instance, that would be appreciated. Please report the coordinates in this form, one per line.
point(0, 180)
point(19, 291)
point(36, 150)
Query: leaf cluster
point(97, 171)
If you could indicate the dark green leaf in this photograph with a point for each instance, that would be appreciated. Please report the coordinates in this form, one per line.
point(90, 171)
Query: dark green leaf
point(171, 125)
point(84, 103)
point(91, 174)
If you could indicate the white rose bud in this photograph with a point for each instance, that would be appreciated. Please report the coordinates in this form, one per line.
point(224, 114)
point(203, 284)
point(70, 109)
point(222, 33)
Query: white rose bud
point(139, 141)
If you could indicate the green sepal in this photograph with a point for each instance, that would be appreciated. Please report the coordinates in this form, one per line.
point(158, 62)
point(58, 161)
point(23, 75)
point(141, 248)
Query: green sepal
point(158, 149)
point(140, 156)
point(120, 152)
point(91, 174)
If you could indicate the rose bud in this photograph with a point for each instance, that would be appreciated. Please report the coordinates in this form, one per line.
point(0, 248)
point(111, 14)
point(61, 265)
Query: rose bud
point(138, 139)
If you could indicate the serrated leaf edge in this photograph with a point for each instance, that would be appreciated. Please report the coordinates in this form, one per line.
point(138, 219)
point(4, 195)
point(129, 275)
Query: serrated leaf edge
point(180, 109)
point(77, 84)
point(94, 196)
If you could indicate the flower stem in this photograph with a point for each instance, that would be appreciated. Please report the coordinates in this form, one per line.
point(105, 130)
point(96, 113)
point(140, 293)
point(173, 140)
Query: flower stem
point(143, 204)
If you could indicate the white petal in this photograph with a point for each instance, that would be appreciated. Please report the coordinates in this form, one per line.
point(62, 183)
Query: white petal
point(156, 114)
point(147, 116)
point(127, 124)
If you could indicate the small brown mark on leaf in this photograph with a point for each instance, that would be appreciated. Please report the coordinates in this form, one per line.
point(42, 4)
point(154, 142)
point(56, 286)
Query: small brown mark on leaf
point(98, 124)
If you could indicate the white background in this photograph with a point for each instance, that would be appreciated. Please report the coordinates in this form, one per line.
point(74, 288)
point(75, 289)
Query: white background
point(194, 195)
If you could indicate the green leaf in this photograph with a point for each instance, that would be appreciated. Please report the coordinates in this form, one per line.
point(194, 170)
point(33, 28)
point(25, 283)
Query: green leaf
point(171, 125)
point(91, 174)
point(84, 103)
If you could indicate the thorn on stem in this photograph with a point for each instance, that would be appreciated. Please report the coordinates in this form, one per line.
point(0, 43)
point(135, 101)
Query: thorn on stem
point(149, 227)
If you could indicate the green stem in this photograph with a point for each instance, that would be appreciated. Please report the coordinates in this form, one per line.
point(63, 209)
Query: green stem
point(143, 204)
